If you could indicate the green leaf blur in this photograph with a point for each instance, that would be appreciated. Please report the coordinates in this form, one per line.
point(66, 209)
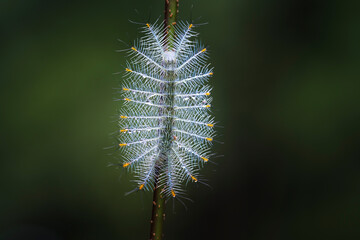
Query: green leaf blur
point(286, 85)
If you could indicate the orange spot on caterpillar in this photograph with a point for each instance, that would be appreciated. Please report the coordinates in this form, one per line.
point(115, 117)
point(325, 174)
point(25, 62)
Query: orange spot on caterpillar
point(211, 74)
point(174, 137)
point(126, 164)
point(173, 193)
point(207, 94)
point(148, 25)
point(127, 99)
point(123, 130)
point(174, 23)
point(203, 50)
point(209, 139)
point(194, 178)
point(205, 159)
point(141, 186)
point(128, 70)
point(134, 49)
point(190, 26)
point(122, 144)
point(123, 117)
point(207, 106)
point(125, 89)
point(210, 125)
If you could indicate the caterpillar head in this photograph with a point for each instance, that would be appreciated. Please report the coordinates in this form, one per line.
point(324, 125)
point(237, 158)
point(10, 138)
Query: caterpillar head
point(169, 57)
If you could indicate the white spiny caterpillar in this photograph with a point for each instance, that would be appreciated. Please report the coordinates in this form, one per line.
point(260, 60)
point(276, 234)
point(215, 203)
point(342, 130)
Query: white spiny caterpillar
point(166, 130)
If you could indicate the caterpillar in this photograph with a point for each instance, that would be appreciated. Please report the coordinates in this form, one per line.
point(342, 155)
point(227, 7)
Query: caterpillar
point(166, 129)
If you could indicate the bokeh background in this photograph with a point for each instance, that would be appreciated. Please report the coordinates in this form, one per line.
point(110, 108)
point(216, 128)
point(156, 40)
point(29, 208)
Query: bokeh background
point(286, 91)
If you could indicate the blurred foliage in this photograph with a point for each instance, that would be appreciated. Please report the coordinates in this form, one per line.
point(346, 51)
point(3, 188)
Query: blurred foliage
point(285, 89)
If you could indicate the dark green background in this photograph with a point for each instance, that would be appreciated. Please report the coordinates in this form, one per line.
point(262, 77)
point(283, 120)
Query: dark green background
point(286, 90)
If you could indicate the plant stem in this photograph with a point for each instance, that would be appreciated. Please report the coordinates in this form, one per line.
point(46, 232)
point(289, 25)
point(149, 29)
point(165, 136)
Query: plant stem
point(158, 215)
point(170, 14)
point(158, 208)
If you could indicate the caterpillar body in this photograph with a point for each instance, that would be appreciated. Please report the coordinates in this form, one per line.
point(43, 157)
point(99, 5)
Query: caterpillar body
point(166, 130)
